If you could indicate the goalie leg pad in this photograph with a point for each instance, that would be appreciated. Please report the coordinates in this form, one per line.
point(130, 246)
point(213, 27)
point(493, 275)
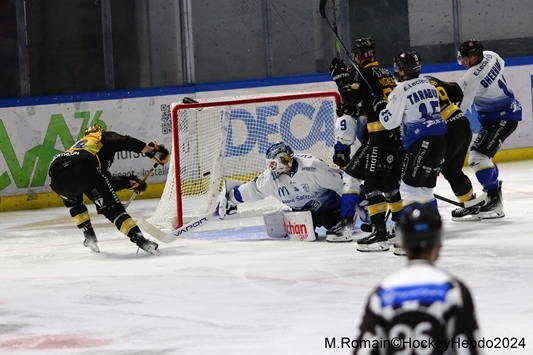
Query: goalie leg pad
point(299, 225)
point(275, 224)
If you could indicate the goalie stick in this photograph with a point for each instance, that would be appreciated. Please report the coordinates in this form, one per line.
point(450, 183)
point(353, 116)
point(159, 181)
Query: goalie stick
point(465, 204)
point(169, 237)
point(322, 9)
point(135, 193)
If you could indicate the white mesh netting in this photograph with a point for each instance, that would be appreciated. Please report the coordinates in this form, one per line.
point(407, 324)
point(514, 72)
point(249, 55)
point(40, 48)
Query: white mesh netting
point(229, 141)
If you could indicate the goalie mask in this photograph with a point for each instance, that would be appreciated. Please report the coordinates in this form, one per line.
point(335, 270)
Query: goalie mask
point(279, 158)
point(93, 129)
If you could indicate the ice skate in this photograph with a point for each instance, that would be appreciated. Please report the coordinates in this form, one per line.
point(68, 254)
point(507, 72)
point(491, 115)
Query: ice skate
point(468, 214)
point(342, 232)
point(493, 207)
point(150, 247)
point(398, 250)
point(90, 240)
point(376, 241)
point(146, 245)
point(391, 234)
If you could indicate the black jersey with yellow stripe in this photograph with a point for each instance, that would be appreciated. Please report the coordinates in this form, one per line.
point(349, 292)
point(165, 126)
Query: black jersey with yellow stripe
point(99, 148)
point(382, 83)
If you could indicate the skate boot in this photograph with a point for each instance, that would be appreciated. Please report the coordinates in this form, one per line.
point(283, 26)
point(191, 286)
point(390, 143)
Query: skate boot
point(145, 244)
point(342, 232)
point(391, 234)
point(365, 227)
point(493, 207)
point(376, 241)
point(398, 250)
point(468, 214)
point(90, 240)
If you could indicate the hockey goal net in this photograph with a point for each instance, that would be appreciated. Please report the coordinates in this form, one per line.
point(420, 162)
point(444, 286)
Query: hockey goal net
point(226, 138)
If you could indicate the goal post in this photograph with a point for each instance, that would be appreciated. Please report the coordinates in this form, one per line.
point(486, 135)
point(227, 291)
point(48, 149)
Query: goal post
point(227, 137)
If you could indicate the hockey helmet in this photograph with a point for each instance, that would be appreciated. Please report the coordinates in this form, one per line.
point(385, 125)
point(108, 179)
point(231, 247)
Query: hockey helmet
point(279, 158)
point(420, 228)
point(364, 47)
point(410, 62)
point(93, 129)
point(468, 49)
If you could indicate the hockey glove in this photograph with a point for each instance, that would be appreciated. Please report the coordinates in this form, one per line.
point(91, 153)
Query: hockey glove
point(137, 185)
point(341, 157)
point(227, 200)
point(339, 72)
point(379, 104)
point(344, 109)
point(160, 154)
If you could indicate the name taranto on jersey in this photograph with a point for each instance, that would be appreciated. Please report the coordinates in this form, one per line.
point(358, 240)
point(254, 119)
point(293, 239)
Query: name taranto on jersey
point(423, 95)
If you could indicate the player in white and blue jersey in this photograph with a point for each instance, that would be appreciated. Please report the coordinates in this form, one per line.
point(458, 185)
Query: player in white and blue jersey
point(414, 105)
point(484, 85)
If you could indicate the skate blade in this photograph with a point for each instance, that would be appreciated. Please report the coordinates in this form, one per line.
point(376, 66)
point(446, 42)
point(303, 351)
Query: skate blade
point(376, 247)
point(493, 215)
point(469, 218)
point(337, 240)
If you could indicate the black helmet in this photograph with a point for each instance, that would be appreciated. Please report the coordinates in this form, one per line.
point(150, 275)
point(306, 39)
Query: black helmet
point(410, 62)
point(420, 227)
point(365, 47)
point(470, 48)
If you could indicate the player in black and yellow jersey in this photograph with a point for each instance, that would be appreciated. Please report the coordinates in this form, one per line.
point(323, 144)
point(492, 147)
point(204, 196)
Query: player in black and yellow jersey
point(458, 141)
point(83, 170)
point(383, 160)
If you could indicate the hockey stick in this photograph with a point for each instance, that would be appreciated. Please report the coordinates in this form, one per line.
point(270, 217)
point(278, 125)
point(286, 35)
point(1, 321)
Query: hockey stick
point(322, 9)
point(465, 204)
point(135, 193)
point(334, 13)
point(169, 237)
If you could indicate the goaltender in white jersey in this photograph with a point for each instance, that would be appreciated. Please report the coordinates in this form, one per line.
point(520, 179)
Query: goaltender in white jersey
point(300, 181)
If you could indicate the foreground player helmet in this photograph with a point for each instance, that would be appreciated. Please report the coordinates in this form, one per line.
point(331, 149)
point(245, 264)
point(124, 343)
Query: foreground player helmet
point(420, 227)
point(365, 47)
point(410, 62)
point(279, 158)
point(468, 49)
point(93, 129)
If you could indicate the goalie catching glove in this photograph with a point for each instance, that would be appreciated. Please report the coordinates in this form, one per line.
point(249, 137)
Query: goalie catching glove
point(228, 199)
point(137, 185)
point(160, 154)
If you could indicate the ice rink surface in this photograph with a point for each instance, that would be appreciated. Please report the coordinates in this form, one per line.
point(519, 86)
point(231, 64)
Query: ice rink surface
point(233, 290)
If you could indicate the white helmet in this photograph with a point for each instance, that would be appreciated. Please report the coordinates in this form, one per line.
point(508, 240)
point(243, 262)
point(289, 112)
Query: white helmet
point(279, 158)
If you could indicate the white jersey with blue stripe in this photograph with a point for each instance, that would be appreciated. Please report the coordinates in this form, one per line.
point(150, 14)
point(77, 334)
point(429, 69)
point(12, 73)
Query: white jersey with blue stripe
point(414, 104)
point(419, 302)
point(485, 86)
point(310, 185)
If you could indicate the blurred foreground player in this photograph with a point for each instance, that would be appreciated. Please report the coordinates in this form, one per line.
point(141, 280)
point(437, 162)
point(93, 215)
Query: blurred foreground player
point(420, 302)
point(83, 170)
point(308, 186)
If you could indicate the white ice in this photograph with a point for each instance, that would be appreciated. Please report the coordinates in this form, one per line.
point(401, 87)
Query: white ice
point(232, 290)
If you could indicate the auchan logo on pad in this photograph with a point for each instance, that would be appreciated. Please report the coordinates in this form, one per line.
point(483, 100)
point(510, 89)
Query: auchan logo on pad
point(299, 230)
